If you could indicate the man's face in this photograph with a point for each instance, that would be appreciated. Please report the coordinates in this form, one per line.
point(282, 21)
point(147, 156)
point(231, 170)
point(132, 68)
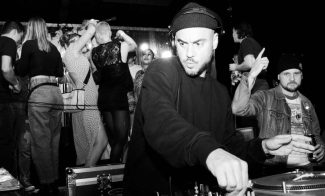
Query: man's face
point(18, 37)
point(235, 36)
point(290, 79)
point(195, 47)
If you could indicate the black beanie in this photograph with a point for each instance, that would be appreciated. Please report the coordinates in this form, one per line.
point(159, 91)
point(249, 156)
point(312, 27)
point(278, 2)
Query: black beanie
point(195, 15)
point(288, 61)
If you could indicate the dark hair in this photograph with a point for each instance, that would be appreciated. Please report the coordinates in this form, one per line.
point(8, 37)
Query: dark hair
point(132, 54)
point(66, 39)
point(243, 29)
point(12, 25)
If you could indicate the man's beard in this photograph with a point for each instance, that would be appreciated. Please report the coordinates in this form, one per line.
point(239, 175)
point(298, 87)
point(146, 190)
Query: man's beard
point(292, 90)
point(206, 67)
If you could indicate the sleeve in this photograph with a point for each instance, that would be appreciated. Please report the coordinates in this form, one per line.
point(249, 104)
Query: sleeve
point(315, 126)
point(24, 61)
point(10, 49)
point(245, 104)
point(175, 139)
point(59, 70)
point(251, 46)
point(250, 151)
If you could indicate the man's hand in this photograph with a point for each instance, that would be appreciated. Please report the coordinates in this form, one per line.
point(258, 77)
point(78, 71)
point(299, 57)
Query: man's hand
point(319, 152)
point(15, 88)
point(259, 64)
point(230, 171)
point(284, 144)
point(232, 66)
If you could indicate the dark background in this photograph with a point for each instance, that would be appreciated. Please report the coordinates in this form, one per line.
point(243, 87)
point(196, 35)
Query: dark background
point(280, 26)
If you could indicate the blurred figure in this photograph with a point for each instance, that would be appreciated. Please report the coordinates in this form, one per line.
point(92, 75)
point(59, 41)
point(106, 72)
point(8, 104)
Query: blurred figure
point(21, 127)
point(11, 35)
point(42, 62)
point(110, 59)
point(281, 110)
point(134, 68)
point(249, 49)
point(88, 130)
point(132, 62)
point(147, 57)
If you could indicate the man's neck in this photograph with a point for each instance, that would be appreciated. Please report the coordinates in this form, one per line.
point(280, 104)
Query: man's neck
point(7, 35)
point(288, 94)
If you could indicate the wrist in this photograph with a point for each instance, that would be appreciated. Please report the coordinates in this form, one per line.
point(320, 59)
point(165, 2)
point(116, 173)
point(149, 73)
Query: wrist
point(16, 83)
point(265, 149)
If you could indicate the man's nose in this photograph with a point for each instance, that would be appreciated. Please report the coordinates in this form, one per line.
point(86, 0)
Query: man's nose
point(189, 51)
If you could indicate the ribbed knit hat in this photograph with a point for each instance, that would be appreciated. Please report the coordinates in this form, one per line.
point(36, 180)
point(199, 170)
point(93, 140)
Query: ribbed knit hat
point(288, 61)
point(195, 15)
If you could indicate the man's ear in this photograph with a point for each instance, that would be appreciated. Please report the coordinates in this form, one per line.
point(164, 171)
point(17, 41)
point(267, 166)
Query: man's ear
point(215, 40)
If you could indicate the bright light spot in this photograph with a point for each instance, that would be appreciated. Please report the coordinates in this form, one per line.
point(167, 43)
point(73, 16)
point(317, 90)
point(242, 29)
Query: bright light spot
point(166, 54)
point(144, 46)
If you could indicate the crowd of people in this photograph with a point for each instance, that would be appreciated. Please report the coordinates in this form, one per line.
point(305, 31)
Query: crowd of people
point(168, 120)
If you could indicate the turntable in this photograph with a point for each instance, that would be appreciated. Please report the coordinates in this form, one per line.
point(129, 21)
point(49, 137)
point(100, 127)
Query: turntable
point(291, 183)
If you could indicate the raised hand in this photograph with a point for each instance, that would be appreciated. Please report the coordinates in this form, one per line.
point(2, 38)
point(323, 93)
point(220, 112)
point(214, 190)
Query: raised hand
point(259, 64)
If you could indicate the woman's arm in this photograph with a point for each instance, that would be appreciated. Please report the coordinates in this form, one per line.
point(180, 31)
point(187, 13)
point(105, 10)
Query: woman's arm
point(127, 45)
point(85, 37)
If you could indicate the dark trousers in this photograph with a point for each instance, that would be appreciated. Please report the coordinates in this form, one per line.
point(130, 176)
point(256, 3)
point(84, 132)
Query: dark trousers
point(7, 137)
point(22, 143)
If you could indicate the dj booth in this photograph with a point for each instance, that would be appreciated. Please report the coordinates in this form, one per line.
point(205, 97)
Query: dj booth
point(291, 183)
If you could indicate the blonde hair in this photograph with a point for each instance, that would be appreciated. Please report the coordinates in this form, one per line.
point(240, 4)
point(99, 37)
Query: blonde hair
point(37, 30)
point(103, 31)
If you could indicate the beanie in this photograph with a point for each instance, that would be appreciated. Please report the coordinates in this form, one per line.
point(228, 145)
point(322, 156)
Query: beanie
point(195, 15)
point(288, 61)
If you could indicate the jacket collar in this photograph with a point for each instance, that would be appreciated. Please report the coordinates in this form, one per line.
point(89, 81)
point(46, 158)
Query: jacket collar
point(279, 94)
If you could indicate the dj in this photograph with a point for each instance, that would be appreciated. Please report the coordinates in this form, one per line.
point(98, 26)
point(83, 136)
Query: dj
point(183, 128)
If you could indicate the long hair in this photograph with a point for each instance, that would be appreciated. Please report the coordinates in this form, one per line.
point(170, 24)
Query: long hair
point(37, 30)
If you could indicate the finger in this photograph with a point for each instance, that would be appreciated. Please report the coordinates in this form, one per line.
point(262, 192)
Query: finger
point(261, 53)
point(318, 149)
point(302, 147)
point(244, 168)
point(297, 137)
point(282, 139)
point(231, 182)
point(238, 175)
point(320, 156)
point(221, 178)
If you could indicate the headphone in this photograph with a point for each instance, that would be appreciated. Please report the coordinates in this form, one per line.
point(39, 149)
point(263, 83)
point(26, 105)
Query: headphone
point(195, 10)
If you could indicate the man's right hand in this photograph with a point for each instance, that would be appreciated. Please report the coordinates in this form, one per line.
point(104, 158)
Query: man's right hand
point(15, 88)
point(230, 171)
point(259, 64)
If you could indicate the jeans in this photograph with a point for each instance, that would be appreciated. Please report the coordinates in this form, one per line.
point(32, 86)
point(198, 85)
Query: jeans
point(22, 141)
point(44, 114)
point(7, 137)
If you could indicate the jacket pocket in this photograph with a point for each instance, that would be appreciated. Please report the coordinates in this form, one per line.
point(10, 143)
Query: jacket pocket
point(277, 123)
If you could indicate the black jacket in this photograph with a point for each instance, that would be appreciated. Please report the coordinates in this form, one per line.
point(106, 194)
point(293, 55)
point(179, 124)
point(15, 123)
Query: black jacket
point(178, 121)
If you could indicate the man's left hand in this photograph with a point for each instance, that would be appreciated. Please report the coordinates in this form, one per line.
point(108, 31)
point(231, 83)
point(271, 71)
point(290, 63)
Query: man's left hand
point(319, 152)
